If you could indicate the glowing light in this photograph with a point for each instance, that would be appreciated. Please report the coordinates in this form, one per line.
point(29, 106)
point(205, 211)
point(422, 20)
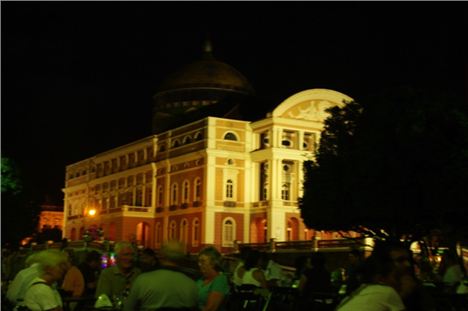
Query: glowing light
point(92, 212)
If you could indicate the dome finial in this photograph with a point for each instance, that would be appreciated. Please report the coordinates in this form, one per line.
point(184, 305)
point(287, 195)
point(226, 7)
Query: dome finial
point(208, 47)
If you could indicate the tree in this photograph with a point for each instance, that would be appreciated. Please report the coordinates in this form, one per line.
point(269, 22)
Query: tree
point(10, 177)
point(398, 162)
point(19, 210)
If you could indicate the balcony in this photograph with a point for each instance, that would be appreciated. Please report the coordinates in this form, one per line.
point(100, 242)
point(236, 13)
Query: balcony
point(159, 209)
point(229, 204)
point(74, 217)
point(172, 207)
point(196, 203)
point(184, 205)
point(137, 209)
point(260, 204)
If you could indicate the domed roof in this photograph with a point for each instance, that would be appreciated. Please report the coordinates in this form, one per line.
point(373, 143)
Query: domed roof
point(207, 73)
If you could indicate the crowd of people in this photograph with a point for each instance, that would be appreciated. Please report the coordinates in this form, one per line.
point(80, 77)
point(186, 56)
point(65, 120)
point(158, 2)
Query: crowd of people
point(388, 279)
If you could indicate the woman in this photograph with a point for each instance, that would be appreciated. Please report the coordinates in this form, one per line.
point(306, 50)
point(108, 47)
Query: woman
point(73, 283)
point(382, 284)
point(316, 278)
point(41, 294)
point(254, 275)
point(239, 270)
point(213, 287)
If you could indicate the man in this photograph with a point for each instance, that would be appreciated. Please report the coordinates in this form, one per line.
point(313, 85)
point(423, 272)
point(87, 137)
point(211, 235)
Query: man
point(23, 279)
point(148, 260)
point(41, 293)
point(90, 269)
point(116, 281)
point(166, 287)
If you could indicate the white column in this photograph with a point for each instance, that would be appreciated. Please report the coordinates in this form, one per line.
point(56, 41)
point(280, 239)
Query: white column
point(210, 184)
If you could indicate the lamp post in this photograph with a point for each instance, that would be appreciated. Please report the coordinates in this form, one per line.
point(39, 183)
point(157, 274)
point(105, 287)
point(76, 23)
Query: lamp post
point(87, 237)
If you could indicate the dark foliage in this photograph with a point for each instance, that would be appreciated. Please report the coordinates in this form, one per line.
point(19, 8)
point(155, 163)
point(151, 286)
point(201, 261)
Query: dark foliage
point(397, 161)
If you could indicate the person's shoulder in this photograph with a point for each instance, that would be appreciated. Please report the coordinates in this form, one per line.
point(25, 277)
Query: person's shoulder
point(37, 285)
point(110, 270)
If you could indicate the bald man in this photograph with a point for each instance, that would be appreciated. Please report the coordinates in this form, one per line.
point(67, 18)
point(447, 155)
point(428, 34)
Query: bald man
point(166, 287)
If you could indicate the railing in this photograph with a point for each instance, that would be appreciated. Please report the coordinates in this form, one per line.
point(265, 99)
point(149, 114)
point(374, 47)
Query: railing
point(260, 203)
point(229, 204)
point(310, 245)
point(74, 217)
point(137, 209)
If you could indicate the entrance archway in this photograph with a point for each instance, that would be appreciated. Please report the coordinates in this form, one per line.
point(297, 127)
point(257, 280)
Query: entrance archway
point(142, 233)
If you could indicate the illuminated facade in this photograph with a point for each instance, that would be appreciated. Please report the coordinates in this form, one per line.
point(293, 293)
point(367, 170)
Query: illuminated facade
point(214, 180)
point(51, 216)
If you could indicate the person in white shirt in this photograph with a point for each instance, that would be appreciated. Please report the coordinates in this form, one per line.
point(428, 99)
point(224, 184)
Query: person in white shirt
point(383, 288)
point(451, 271)
point(41, 294)
point(23, 279)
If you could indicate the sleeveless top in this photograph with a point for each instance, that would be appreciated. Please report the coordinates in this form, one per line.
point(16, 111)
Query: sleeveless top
point(235, 278)
point(249, 279)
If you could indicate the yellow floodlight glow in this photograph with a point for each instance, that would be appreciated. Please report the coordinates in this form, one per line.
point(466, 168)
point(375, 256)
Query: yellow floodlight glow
point(92, 212)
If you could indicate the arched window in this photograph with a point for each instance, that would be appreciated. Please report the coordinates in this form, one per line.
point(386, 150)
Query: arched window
point(228, 232)
point(73, 234)
point(160, 195)
point(175, 143)
point(184, 231)
point(230, 136)
point(139, 196)
point(198, 136)
point(197, 193)
point(172, 230)
point(185, 191)
point(174, 194)
point(195, 232)
point(158, 233)
point(142, 233)
point(229, 189)
point(187, 140)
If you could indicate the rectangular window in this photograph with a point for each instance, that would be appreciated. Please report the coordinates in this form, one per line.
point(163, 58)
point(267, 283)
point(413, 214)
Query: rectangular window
point(148, 192)
point(123, 162)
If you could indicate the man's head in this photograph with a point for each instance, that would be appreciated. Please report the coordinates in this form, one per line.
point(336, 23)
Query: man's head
point(354, 257)
point(148, 259)
point(124, 255)
point(390, 263)
point(93, 260)
point(53, 263)
point(172, 252)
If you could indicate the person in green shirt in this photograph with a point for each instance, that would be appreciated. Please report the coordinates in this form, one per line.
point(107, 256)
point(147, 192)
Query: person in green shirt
point(213, 286)
point(115, 281)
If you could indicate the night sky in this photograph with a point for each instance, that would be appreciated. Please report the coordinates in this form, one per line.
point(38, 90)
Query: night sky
point(78, 77)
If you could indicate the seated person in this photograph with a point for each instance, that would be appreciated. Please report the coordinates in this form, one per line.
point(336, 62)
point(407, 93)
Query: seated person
point(254, 274)
point(213, 287)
